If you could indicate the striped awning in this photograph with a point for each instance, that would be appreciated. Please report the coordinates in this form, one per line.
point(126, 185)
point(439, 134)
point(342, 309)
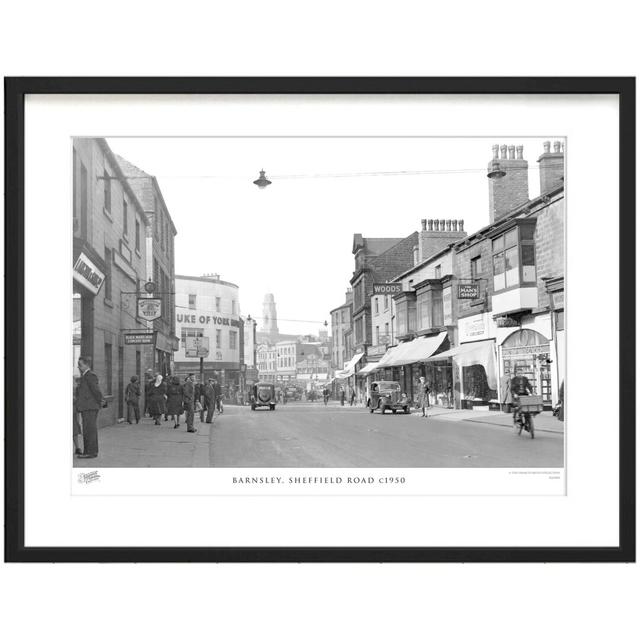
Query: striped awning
point(417, 350)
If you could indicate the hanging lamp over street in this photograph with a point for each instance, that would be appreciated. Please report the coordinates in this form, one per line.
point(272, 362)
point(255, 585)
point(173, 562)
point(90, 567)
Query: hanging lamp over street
point(262, 181)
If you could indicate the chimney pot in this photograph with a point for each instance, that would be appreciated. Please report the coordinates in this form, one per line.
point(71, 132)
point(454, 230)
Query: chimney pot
point(546, 146)
point(441, 225)
point(448, 225)
point(495, 151)
point(556, 147)
point(454, 224)
point(503, 151)
point(461, 225)
point(424, 225)
point(436, 225)
point(430, 223)
point(512, 152)
point(519, 150)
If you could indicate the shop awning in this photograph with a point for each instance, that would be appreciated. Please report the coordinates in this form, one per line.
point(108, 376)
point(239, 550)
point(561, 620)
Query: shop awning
point(349, 368)
point(417, 350)
point(471, 353)
point(367, 369)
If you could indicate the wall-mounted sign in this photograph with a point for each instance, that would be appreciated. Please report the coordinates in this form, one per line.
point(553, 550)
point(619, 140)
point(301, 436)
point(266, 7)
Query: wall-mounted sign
point(387, 288)
point(506, 322)
point(87, 274)
point(468, 291)
point(474, 328)
point(149, 308)
point(192, 318)
point(197, 347)
point(139, 337)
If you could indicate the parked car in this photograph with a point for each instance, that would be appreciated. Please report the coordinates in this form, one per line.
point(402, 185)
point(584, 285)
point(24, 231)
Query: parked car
point(263, 395)
point(386, 394)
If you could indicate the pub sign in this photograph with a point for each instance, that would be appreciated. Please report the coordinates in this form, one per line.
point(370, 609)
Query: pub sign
point(149, 308)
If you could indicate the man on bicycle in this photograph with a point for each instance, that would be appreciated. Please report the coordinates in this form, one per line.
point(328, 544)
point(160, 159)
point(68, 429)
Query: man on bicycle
point(520, 386)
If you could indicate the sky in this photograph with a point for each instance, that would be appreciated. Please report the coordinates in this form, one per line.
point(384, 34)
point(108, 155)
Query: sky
point(294, 238)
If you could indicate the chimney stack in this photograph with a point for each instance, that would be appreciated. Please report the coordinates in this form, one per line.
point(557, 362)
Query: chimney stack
point(551, 166)
point(437, 235)
point(510, 191)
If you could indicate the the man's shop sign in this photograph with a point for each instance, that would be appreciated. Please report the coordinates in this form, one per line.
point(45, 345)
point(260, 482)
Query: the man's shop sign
point(149, 308)
point(468, 291)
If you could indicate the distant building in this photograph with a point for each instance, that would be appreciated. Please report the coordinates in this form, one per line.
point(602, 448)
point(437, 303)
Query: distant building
point(340, 322)
point(209, 307)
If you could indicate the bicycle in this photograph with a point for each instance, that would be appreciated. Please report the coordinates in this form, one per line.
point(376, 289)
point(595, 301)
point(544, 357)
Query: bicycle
point(526, 407)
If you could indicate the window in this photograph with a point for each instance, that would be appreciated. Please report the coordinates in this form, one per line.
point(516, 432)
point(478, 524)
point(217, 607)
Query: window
point(386, 302)
point(107, 275)
point(218, 338)
point(436, 302)
point(377, 305)
point(233, 340)
point(514, 256)
point(218, 305)
point(191, 332)
point(137, 236)
point(233, 307)
point(476, 268)
point(107, 191)
point(342, 316)
point(84, 187)
point(438, 272)
point(377, 335)
point(108, 367)
point(192, 301)
point(125, 218)
point(386, 332)
point(156, 213)
point(424, 317)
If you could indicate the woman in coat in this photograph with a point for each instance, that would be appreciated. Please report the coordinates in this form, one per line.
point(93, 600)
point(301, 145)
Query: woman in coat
point(423, 396)
point(175, 401)
point(157, 398)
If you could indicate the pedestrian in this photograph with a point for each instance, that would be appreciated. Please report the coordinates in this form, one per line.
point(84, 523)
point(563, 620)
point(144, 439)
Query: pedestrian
point(209, 399)
point(353, 396)
point(174, 401)
point(132, 398)
point(188, 398)
point(342, 396)
point(218, 395)
point(149, 378)
point(89, 402)
point(157, 399)
point(77, 428)
point(423, 396)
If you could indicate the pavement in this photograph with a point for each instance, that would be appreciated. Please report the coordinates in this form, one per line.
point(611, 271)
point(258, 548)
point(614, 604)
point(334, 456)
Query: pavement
point(310, 434)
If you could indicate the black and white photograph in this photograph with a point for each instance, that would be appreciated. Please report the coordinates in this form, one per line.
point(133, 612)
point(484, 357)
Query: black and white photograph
point(319, 302)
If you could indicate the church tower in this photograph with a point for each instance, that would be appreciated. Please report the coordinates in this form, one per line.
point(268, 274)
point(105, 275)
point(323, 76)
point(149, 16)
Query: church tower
point(269, 316)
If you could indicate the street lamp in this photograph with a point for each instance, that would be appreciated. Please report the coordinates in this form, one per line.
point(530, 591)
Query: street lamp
point(262, 181)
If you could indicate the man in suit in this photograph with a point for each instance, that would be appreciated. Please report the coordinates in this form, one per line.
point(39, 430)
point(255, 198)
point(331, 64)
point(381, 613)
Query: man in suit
point(89, 402)
point(188, 394)
point(209, 399)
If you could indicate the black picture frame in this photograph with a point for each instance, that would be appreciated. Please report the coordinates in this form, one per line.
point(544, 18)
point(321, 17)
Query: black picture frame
point(15, 91)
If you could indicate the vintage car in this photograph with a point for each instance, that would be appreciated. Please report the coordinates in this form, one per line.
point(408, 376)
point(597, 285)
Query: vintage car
point(263, 395)
point(386, 394)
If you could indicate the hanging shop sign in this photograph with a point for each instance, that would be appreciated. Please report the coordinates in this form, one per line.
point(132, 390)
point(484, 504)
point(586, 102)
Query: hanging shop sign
point(387, 288)
point(139, 337)
point(468, 291)
point(87, 274)
point(149, 308)
point(196, 347)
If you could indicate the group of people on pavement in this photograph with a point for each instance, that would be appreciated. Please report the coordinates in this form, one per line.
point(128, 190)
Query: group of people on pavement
point(171, 399)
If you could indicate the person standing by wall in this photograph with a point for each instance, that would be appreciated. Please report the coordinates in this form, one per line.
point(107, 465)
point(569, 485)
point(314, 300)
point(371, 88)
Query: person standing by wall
point(188, 396)
point(90, 401)
point(77, 429)
point(132, 397)
point(423, 396)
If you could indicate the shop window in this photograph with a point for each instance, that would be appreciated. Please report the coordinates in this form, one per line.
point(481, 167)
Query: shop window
point(514, 257)
point(192, 301)
point(107, 191)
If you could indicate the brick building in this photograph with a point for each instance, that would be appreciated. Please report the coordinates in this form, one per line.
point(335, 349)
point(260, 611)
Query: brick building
point(340, 322)
point(109, 262)
point(160, 264)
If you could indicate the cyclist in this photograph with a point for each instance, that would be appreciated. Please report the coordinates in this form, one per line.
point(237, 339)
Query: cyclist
point(520, 386)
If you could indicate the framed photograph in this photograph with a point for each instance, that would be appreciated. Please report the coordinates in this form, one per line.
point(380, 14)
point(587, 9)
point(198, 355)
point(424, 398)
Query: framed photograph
point(320, 319)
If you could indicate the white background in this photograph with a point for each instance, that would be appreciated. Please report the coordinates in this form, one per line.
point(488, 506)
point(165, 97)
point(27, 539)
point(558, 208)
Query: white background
point(370, 38)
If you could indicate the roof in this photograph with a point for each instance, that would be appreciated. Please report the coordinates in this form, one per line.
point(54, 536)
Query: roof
point(209, 280)
point(145, 192)
point(395, 259)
